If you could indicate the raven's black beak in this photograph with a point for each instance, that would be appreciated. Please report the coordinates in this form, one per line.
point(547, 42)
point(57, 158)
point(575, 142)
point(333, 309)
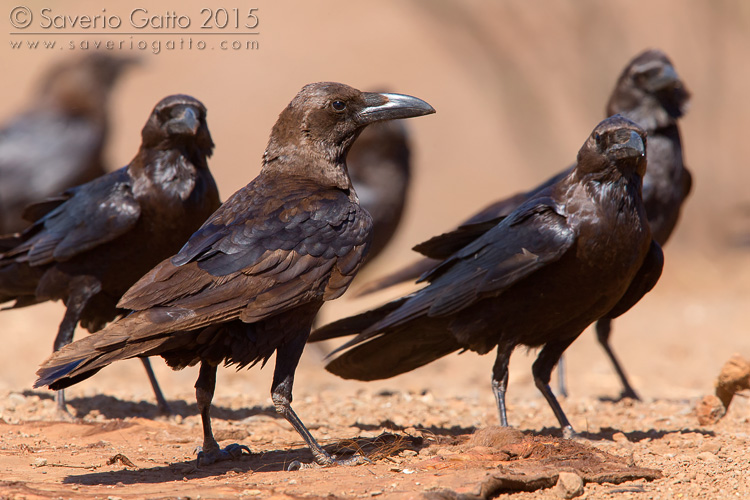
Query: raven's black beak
point(627, 144)
point(667, 79)
point(392, 106)
point(185, 122)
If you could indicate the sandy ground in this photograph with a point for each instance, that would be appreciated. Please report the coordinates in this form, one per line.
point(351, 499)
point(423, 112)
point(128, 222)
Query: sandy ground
point(518, 86)
point(673, 346)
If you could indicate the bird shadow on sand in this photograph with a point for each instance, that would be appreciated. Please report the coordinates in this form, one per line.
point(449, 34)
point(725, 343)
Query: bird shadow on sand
point(377, 448)
point(452, 431)
point(608, 433)
point(113, 408)
point(271, 461)
point(447, 434)
point(615, 399)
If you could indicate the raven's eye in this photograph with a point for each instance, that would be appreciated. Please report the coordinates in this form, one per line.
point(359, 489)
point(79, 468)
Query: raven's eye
point(338, 105)
point(598, 139)
point(165, 114)
point(646, 75)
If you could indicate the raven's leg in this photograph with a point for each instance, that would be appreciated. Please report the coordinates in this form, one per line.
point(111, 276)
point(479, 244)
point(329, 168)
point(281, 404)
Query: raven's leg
point(500, 379)
point(542, 370)
point(603, 329)
point(562, 385)
point(204, 393)
point(82, 288)
point(287, 358)
point(161, 402)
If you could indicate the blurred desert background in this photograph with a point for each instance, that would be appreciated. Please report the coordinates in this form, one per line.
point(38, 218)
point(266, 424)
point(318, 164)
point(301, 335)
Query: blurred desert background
point(517, 86)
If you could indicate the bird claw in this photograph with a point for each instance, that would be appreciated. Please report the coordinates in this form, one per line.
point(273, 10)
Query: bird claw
point(629, 394)
point(233, 451)
point(296, 465)
point(64, 415)
point(164, 410)
point(354, 460)
point(569, 433)
point(328, 461)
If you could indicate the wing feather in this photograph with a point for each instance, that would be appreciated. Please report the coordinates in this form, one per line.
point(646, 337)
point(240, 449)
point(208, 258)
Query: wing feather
point(68, 229)
point(279, 254)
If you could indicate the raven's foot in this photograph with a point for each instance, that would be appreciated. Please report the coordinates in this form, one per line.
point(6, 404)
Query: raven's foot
point(329, 461)
point(577, 437)
point(62, 413)
point(164, 409)
point(231, 452)
point(629, 393)
point(569, 433)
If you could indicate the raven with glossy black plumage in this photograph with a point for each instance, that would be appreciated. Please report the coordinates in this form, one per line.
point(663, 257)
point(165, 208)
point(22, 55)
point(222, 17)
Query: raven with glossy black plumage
point(574, 252)
point(650, 93)
point(250, 281)
point(88, 245)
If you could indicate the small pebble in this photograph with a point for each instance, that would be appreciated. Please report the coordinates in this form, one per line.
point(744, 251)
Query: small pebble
point(444, 452)
point(569, 485)
point(707, 456)
point(619, 437)
point(710, 410)
point(711, 447)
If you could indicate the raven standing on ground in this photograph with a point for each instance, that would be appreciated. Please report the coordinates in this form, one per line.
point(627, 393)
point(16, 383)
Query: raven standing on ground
point(59, 142)
point(251, 280)
point(574, 252)
point(90, 244)
point(650, 93)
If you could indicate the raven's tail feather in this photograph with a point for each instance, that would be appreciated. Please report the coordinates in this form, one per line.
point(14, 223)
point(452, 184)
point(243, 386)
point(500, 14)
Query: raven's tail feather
point(381, 354)
point(127, 338)
point(395, 352)
point(354, 324)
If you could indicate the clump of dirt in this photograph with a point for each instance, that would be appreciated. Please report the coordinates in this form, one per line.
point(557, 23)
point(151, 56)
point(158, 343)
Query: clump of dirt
point(528, 462)
point(495, 437)
point(734, 377)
